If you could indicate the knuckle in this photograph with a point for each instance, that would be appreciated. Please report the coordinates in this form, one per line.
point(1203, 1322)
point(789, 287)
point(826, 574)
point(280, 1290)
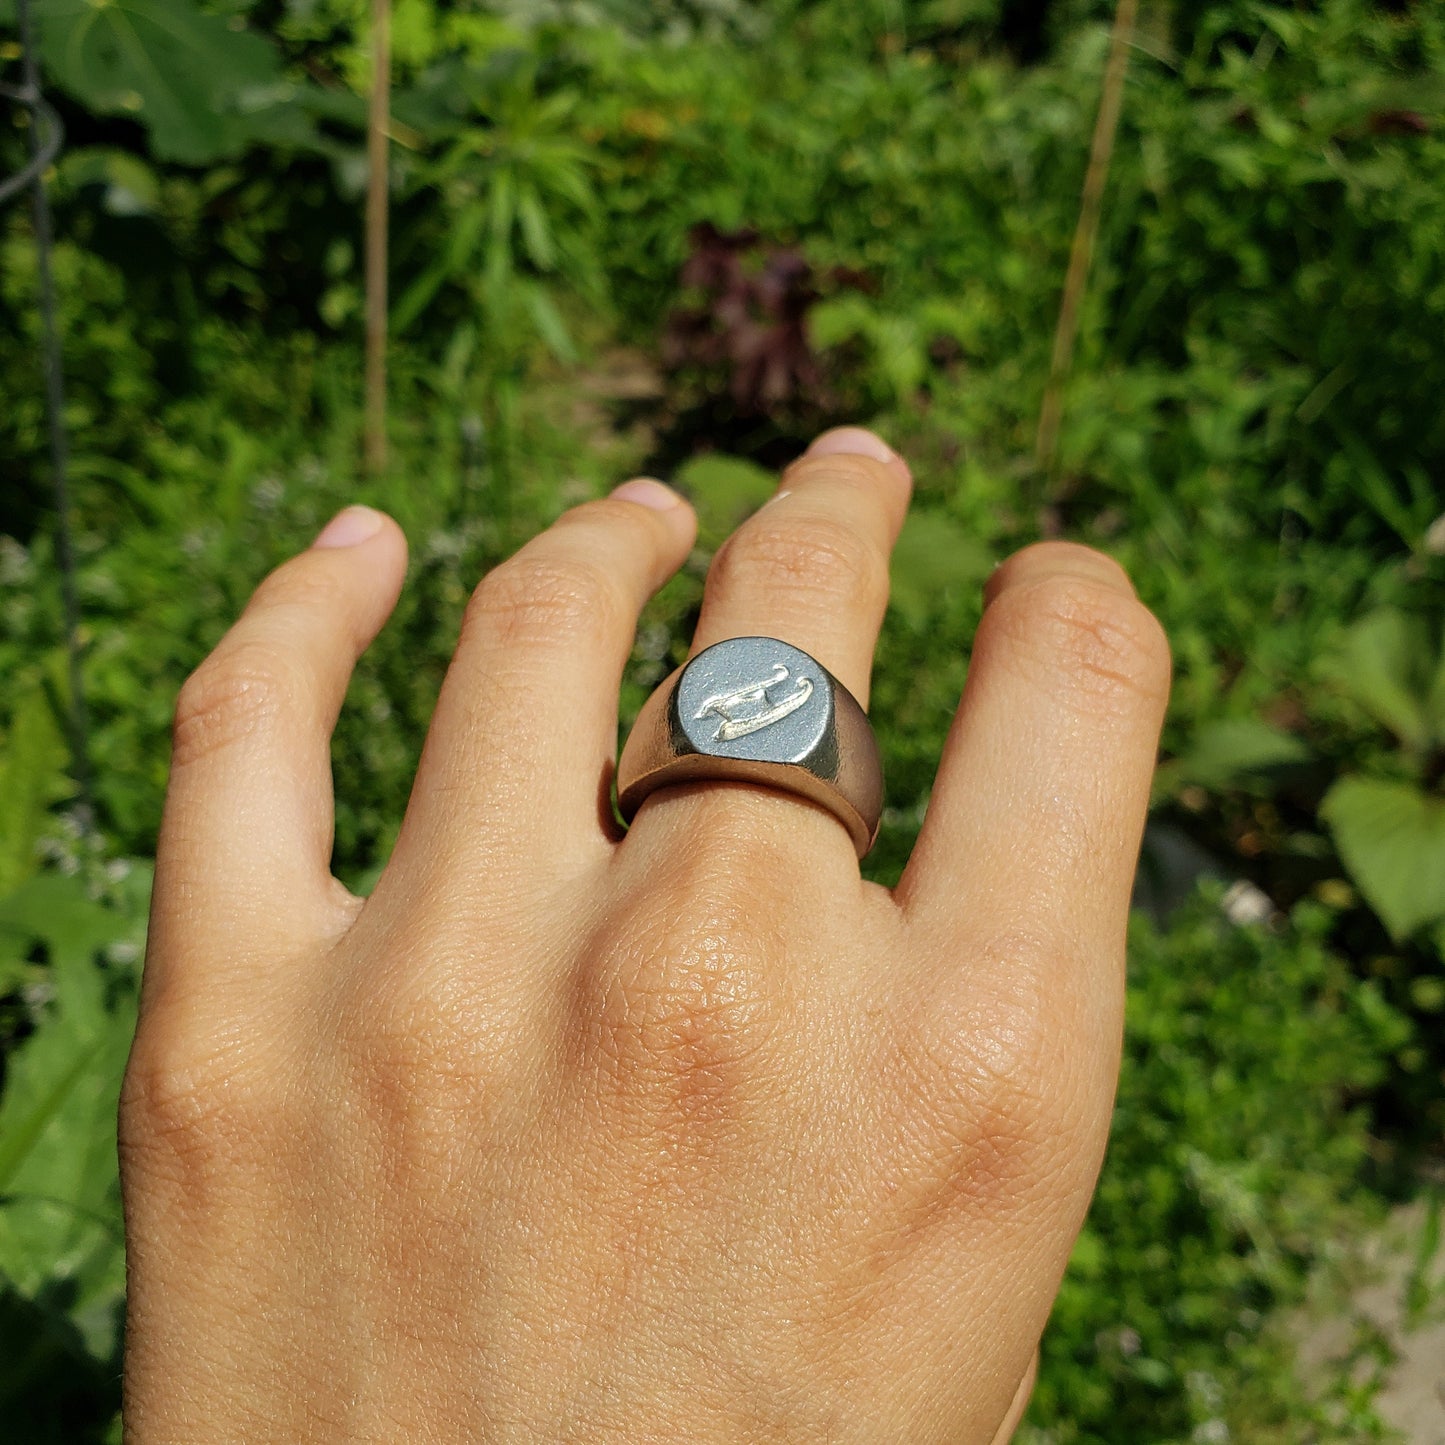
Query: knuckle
point(979, 1096)
point(1101, 642)
point(675, 1022)
point(541, 600)
point(417, 1050)
point(240, 690)
point(802, 557)
point(190, 1116)
point(405, 1036)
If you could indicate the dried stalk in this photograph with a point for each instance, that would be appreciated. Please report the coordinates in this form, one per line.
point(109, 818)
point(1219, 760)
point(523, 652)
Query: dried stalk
point(1081, 254)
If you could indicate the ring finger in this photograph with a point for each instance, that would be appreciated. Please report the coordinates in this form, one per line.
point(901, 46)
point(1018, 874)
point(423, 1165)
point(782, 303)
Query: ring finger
point(810, 567)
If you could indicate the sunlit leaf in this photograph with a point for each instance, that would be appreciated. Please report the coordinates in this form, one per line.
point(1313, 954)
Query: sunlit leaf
point(548, 321)
point(536, 234)
point(723, 490)
point(33, 756)
point(1386, 662)
point(1223, 751)
point(933, 559)
point(840, 319)
point(502, 206)
point(60, 1230)
point(129, 186)
point(1391, 837)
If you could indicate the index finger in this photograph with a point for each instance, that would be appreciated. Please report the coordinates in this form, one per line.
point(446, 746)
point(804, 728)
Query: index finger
point(246, 837)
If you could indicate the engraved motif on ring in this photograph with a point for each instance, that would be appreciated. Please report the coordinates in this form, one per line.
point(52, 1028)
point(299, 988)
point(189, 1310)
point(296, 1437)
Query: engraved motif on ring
point(731, 706)
point(757, 710)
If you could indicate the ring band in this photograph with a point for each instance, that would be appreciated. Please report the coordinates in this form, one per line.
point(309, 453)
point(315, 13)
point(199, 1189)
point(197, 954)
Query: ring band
point(758, 710)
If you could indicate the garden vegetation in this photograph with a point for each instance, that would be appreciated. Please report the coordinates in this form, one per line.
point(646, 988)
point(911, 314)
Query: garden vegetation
point(679, 238)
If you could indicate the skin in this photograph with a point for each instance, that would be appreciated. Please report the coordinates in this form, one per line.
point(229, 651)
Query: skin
point(688, 1135)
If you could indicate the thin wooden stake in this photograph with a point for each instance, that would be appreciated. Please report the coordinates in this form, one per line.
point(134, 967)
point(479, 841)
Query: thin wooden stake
point(378, 126)
point(1081, 254)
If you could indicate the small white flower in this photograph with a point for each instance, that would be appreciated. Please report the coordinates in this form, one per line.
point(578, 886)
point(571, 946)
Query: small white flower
point(1244, 904)
point(15, 568)
point(268, 494)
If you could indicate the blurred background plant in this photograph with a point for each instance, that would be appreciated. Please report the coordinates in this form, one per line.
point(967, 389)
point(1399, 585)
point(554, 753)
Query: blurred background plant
point(679, 238)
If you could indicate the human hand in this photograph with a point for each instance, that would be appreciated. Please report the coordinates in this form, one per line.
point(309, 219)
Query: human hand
point(690, 1135)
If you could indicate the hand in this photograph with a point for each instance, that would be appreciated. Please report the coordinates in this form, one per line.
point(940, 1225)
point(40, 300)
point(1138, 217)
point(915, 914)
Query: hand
point(689, 1135)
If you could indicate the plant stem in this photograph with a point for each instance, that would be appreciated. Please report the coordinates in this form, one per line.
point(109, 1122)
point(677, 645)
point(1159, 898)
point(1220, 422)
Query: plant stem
point(1081, 254)
point(378, 126)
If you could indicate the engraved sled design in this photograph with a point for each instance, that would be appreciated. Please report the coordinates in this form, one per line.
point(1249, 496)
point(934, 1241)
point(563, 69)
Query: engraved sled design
point(738, 709)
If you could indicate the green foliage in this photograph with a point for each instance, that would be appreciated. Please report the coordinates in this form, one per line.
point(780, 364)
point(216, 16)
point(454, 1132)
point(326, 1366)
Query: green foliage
point(1420, 1291)
point(33, 760)
point(1391, 831)
point(1394, 669)
point(1223, 752)
point(202, 85)
point(517, 195)
point(181, 72)
point(1392, 839)
point(1252, 428)
point(62, 1265)
point(1234, 1166)
point(935, 561)
point(723, 490)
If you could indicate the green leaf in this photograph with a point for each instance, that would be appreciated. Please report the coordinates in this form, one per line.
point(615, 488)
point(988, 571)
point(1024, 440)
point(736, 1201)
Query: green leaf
point(60, 1229)
point(536, 234)
point(501, 205)
point(178, 70)
point(23, 1128)
point(1089, 1256)
point(934, 558)
point(465, 236)
point(900, 355)
point(723, 490)
point(1435, 702)
point(1391, 837)
point(1223, 751)
point(32, 777)
point(1384, 663)
point(839, 319)
point(1335, 108)
point(128, 186)
point(548, 321)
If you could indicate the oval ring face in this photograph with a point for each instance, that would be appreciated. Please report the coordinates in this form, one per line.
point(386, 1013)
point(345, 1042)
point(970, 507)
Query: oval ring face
point(754, 698)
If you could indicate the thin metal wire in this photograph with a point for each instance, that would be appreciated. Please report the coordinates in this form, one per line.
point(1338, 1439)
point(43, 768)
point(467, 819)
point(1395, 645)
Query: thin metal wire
point(43, 150)
point(40, 110)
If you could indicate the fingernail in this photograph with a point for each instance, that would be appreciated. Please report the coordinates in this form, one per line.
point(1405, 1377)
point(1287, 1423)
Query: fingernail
point(350, 526)
point(648, 493)
point(852, 441)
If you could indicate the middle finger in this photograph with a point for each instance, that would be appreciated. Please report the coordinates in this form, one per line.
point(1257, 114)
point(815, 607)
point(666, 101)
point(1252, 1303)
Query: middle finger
point(810, 568)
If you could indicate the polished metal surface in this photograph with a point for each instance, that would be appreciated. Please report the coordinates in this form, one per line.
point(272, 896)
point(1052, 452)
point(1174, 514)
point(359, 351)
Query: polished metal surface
point(754, 709)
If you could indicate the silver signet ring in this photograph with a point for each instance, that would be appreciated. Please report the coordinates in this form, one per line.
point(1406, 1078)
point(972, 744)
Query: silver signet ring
point(757, 710)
